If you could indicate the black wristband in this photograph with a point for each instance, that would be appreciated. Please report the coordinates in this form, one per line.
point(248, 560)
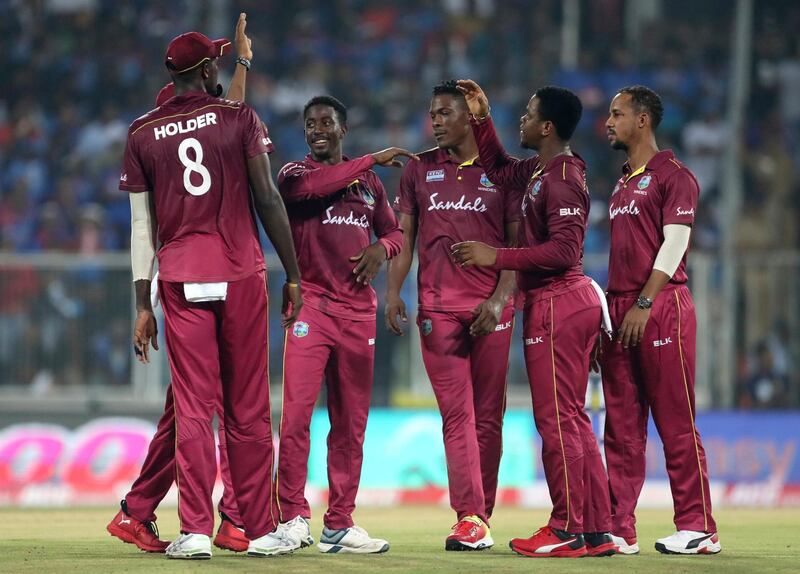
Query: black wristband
point(244, 62)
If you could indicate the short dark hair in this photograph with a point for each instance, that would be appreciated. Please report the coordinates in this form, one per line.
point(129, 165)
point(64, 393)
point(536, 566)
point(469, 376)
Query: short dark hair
point(646, 100)
point(447, 87)
point(338, 107)
point(560, 106)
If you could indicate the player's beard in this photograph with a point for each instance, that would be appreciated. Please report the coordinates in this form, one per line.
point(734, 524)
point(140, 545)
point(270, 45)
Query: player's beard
point(619, 145)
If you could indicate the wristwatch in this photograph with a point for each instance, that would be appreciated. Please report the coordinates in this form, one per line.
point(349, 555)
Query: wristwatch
point(643, 302)
point(244, 62)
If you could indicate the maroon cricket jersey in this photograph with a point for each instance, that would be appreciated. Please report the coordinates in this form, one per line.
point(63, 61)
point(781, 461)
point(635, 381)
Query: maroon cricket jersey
point(191, 153)
point(555, 212)
point(664, 192)
point(453, 202)
point(333, 211)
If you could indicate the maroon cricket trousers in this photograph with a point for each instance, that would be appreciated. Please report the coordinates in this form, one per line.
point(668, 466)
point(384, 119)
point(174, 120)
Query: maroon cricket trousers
point(342, 352)
point(657, 375)
point(211, 344)
point(468, 376)
point(158, 469)
point(561, 324)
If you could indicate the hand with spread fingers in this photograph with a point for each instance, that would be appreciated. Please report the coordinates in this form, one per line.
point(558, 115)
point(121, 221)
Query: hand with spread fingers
point(145, 331)
point(477, 102)
point(369, 262)
point(388, 157)
point(468, 253)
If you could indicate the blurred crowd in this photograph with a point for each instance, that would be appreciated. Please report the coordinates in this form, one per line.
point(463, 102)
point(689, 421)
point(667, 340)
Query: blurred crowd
point(79, 71)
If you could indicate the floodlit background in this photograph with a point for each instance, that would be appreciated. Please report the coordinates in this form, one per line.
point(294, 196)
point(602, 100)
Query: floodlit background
point(76, 411)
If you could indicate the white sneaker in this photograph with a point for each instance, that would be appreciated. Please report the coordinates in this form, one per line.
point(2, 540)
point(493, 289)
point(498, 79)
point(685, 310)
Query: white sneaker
point(298, 530)
point(272, 544)
point(190, 547)
point(353, 540)
point(689, 542)
point(625, 545)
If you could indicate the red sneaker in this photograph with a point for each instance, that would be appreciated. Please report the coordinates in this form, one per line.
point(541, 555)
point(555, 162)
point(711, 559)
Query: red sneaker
point(230, 537)
point(599, 544)
point(142, 534)
point(547, 542)
point(470, 533)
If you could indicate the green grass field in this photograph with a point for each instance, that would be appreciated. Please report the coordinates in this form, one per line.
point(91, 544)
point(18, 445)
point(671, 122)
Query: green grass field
point(76, 541)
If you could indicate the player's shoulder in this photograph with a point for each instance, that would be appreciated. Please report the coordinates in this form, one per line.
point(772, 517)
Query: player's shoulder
point(668, 168)
point(429, 160)
point(568, 169)
point(433, 156)
point(152, 115)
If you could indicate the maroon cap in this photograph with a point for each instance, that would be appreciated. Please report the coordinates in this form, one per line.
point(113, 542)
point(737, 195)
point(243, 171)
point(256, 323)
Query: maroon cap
point(166, 93)
point(191, 49)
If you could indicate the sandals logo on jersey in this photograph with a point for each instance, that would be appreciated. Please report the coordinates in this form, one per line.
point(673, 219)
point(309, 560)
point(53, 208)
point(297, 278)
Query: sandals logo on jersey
point(644, 182)
point(434, 175)
point(486, 185)
point(300, 329)
point(426, 325)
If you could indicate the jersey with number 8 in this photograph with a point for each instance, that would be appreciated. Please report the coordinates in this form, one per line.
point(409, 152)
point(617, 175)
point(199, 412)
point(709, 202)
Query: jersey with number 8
point(191, 154)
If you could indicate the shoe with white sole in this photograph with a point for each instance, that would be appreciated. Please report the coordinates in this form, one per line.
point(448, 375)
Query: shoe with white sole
point(190, 547)
point(689, 542)
point(272, 544)
point(298, 530)
point(353, 540)
point(469, 533)
point(625, 545)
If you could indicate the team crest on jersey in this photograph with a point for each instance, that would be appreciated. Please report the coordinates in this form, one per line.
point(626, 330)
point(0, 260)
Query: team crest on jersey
point(536, 187)
point(486, 185)
point(426, 325)
point(434, 175)
point(369, 199)
point(644, 182)
point(300, 329)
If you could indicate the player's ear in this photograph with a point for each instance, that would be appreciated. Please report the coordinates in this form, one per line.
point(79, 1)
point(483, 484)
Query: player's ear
point(343, 129)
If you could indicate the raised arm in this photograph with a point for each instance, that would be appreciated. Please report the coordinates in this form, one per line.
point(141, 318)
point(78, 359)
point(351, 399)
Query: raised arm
point(301, 182)
point(244, 50)
point(501, 168)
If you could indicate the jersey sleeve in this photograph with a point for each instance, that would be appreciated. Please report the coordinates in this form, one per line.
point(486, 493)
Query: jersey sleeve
point(406, 199)
point(267, 140)
point(254, 138)
point(680, 198)
point(512, 204)
point(133, 178)
point(299, 181)
point(566, 206)
point(504, 170)
point(385, 225)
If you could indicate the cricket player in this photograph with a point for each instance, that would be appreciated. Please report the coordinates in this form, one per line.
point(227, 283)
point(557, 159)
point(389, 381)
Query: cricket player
point(335, 204)
point(135, 522)
point(650, 365)
point(465, 315)
point(189, 166)
point(562, 311)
